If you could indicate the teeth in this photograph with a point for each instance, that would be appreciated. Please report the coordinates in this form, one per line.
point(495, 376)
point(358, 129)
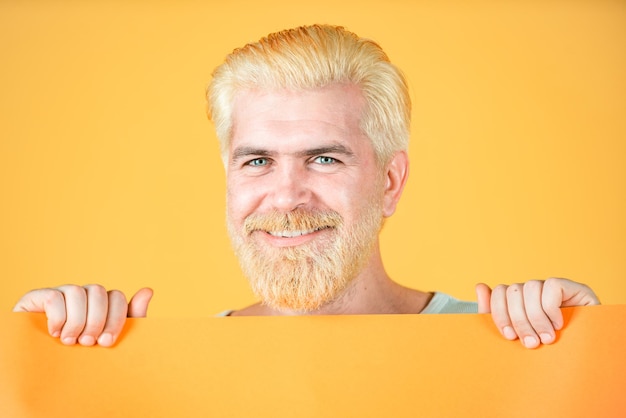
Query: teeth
point(291, 234)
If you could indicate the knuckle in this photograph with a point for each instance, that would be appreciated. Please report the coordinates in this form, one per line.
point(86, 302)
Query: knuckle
point(96, 288)
point(117, 294)
point(553, 282)
point(501, 288)
point(514, 289)
point(73, 328)
point(538, 320)
point(52, 296)
point(94, 328)
point(96, 318)
point(533, 284)
point(73, 291)
point(520, 325)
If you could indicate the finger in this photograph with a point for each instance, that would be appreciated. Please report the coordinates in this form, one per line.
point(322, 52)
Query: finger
point(500, 312)
point(483, 297)
point(97, 309)
point(33, 301)
point(116, 318)
point(572, 293)
point(519, 319)
point(76, 311)
point(539, 320)
point(552, 300)
point(50, 301)
point(138, 306)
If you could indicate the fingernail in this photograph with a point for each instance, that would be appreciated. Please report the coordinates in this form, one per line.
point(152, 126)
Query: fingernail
point(69, 340)
point(56, 334)
point(530, 342)
point(509, 334)
point(106, 340)
point(87, 340)
point(546, 338)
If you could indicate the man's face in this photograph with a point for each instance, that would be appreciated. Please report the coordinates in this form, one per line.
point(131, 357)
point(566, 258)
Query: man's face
point(304, 193)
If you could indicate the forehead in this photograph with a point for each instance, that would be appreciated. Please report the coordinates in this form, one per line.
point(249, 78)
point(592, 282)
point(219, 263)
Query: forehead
point(331, 112)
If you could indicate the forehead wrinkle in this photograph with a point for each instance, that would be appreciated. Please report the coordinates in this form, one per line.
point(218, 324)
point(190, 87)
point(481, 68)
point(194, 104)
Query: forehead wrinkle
point(256, 136)
point(313, 128)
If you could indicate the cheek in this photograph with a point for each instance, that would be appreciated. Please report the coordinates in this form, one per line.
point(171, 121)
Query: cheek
point(241, 201)
point(370, 197)
point(352, 205)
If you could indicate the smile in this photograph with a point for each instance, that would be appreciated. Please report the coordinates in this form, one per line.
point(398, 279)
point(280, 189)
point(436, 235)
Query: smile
point(292, 234)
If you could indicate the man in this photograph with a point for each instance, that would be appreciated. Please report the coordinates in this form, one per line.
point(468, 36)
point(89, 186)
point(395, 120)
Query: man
point(314, 125)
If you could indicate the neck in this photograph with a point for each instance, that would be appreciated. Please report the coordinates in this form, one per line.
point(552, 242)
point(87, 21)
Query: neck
point(371, 292)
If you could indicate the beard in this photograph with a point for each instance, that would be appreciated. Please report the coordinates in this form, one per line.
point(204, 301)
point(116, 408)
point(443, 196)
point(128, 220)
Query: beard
point(306, 277)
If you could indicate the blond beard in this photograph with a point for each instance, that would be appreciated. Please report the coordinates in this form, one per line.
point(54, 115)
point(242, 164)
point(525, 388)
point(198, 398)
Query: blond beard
point(305, 277)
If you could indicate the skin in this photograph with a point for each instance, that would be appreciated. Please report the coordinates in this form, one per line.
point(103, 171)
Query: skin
point(530, 311)
point(85, 314)
point(305, 149)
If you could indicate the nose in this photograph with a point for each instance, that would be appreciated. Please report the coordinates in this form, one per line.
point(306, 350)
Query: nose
point(290, 188)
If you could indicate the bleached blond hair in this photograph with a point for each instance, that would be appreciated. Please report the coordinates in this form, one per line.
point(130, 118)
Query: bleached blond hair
point(311, 57)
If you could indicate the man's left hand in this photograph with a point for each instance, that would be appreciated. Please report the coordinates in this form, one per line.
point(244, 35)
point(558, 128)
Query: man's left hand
point(530, 311)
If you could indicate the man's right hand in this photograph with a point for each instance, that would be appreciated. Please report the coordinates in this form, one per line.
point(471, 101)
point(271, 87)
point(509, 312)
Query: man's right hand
point(85, 314)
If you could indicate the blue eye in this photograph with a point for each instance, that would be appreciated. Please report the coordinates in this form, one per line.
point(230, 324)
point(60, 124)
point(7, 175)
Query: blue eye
point(258, 162)
point(325, 160)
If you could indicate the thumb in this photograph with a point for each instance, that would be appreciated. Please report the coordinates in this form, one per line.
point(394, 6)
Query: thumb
point(483, 295)
point(563, 292)
point(138, 305)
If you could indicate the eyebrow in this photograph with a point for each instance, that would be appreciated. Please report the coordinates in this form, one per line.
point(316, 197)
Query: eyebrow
point(331, 149)
point(242, 152)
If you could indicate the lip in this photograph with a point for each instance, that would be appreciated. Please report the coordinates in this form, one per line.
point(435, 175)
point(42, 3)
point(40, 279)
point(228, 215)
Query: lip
point(292, 238)
point(291, 234)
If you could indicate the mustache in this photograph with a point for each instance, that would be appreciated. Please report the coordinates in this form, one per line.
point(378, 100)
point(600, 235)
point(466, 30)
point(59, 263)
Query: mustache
point(296, 220)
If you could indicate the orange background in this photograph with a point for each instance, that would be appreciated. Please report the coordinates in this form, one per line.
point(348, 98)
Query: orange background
point(109, 170)
point(325, 366)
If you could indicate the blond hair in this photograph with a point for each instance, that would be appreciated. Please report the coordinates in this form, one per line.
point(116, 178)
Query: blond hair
point(311, 57)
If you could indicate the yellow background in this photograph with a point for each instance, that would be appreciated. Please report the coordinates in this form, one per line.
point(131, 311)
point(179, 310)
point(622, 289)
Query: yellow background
point(109, 170)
